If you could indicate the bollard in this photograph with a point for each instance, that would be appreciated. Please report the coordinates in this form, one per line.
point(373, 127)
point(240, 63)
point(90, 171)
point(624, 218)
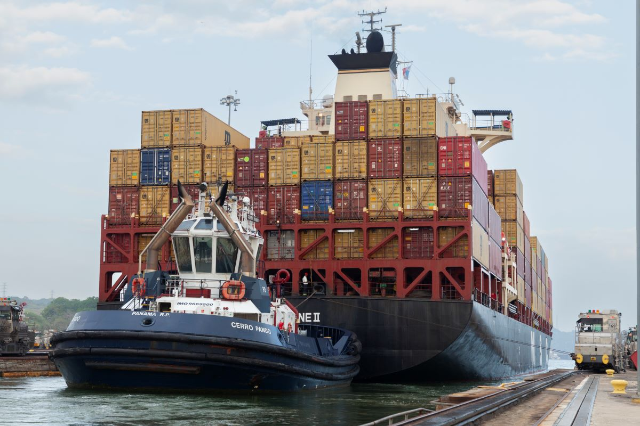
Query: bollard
point(619, 386)
point(609, 372)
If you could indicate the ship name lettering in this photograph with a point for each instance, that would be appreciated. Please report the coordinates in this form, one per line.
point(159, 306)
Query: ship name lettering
point(242, 326)
point(309, 316)
point(263, 330)
point(143, 313)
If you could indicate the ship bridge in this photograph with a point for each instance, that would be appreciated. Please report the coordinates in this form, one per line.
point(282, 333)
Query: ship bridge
point(490, 127)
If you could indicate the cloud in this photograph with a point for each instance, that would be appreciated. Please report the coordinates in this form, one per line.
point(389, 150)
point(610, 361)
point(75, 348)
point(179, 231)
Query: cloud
point(113, 42)
point(21, 43)
point(8, 150)
point(41, 84)
point(67, 11)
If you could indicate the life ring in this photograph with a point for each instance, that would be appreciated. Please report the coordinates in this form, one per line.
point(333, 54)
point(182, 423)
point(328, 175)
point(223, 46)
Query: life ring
point(233, 290)
point(289, 328)
point(139, 287)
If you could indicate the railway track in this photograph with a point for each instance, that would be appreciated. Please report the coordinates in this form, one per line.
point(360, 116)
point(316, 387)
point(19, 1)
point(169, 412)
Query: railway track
point(476, 410)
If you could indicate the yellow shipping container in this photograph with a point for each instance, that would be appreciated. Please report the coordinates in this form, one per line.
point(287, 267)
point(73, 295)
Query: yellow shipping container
point(420, 197)
point(385, 198)
point(509, 207)
point(154, 204)
point(308, 236)
point(194, 127)
point(389, 250)
point(480, 244)
point(124, 169)
point(508, 182)
point(535, 246)
point(425, 117)
point(521, 290)
point(143, 242)
point(219, 163)
point(284, 166)
point(156, 129)
point(514, 234)
point(351, 160)
point(458, 249)
point(317, 161)
point(420, 157)
point(385, 119)
point(348, 244)
point(323, 138)
point(293, 141)
point(186, 165)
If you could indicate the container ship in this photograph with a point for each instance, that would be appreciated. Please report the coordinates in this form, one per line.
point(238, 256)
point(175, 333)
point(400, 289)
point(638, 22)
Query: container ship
point(384, 212)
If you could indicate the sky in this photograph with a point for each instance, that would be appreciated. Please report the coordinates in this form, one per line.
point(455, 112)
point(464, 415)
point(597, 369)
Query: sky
point(74, 77)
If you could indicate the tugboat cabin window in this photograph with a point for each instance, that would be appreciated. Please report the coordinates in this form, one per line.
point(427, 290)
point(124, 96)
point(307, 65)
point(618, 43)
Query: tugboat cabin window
point(183, 253)
point(226, 255)
point(205, 224)
point(203, 253)
point(186, 225)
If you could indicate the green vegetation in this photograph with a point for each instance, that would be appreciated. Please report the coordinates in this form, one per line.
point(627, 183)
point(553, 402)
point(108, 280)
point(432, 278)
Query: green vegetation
point(57, 314)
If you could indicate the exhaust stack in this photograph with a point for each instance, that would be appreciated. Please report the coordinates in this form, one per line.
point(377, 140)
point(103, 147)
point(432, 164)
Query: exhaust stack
point(162, 236)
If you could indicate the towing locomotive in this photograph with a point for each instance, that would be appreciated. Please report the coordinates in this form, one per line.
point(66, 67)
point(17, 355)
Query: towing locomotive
point(15, 336)
point(598, 344)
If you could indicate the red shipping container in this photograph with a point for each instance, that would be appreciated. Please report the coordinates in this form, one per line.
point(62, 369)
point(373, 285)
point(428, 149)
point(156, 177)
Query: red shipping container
point(350, 197)
point(527, 249)
point(351, 120)
point(528, 293)
point(385, 158)
point(282, 201)
point(495, 259)
point(270, 142)
point(457, 193)
point(418, 243)
point(526, 225)
point(113, 255)
point(123, 203)
point(550, 290)
point(520, 263)
point(539, 267)
point(528, 278)
point(192, 190)
point(257, 195)
point(495, 225)
point(490, 185)
point(251, 167)
point(460, 156)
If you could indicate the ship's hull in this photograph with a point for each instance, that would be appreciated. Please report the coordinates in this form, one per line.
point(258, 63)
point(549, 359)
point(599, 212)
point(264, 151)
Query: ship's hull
point(116, 350)
point(422, 340)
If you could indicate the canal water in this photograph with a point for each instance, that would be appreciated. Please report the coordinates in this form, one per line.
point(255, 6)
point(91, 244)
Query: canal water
point(47, 401)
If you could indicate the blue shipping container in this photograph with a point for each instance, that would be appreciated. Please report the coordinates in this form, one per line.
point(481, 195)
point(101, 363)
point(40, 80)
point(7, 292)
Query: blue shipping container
point(155, 166)
point(317, 197)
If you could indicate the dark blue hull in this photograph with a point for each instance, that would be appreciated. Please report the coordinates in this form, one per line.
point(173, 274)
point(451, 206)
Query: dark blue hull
point(120, 350)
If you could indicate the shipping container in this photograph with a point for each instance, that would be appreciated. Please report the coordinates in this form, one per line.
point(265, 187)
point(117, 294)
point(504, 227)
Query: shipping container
point(377, 236)
point(320, 251)
point(509, 207)
point(270, 142)
point(522, 293)
point(514, 234)
point(280, 244)
point(192, 190)
point(282, 202)
point(385, 158)
point(420, 157)
point(495, 227)
point(124, 169)
point(323, 138)
point(480, 244)
point(528, 277)
point(251, 167)
point(186, 165)
point(418, 243)
point(142, 241)
point(420, 197)
point(123, 204)
point(156, 129)
point(348, 244)
point(351, 121)
point(351, 160)
point(495, 259)
point(258, 197)
point(155, 166)
point(385, 119)
point(284, 166)
point(296, 141)
point(458, 249)
point(111, 254)
point(458, 194)
point(527, 248)
point(385, 198)
point(461, 156)
point(317, 161)
point(507, 182)
point(196, 127)
point(219, 164)
point(490, 185)
point(526, 225)
point(154, 205)
point(317, 199)
point(520, 263)
point(350, 198)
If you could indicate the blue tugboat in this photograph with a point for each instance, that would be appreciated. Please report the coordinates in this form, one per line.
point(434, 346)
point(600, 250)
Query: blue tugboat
point(215, 326)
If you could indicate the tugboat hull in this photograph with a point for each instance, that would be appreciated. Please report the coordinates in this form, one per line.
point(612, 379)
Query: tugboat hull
point(116, 350)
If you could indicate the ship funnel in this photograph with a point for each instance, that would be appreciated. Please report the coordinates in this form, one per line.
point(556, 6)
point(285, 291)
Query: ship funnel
point(162, 236)
point(247, 259)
